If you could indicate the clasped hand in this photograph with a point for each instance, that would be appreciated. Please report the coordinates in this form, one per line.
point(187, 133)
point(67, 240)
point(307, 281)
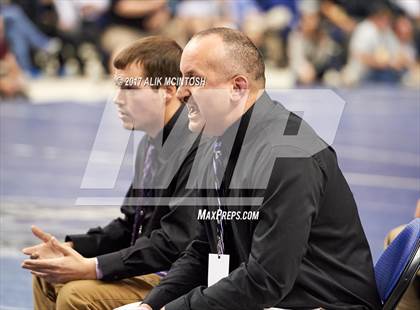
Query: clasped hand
point(57, 262)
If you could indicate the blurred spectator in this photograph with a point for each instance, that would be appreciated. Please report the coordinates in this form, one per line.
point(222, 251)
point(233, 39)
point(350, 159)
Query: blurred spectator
point(375, 52)
point(130, 20)
point(403, 29)
point(239, 11)
point(311, 51)
point(79, 25)
point(196, 15)
point(411, 298)
point(317, 37)
point(411, 10)
point(22, 35)
point(340, 19)
point(71, 14)
point(12, 80)
point(269, 27)
point(346, 14)
point(280, 15)
point(409, 7)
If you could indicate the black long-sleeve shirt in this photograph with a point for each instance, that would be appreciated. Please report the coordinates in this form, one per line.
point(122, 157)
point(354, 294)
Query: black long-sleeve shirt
point(168, 227)
point(306, 250)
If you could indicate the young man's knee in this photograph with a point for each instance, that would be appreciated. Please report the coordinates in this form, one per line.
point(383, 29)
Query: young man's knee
point(37, 284)
point(43, 294)
point(75, 295)
point(42, 287)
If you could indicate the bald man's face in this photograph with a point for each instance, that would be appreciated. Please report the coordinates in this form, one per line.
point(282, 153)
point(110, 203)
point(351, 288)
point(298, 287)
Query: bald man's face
point(208, 105)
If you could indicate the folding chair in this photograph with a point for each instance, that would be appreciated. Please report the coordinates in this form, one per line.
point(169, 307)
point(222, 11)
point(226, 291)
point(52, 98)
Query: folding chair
point(398, 265)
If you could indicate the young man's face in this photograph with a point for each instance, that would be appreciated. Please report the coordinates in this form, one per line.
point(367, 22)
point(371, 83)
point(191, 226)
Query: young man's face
point(208, 105)
point(139, 106)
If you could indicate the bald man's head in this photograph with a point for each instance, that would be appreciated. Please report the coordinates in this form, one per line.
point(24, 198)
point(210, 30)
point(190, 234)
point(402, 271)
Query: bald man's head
point(241, 56)
point(234, 73)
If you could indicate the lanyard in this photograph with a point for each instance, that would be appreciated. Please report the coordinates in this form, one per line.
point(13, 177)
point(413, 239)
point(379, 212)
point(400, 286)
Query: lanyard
point(138, 224)
point(217, 168)
point(219, 230)
point(145, 190)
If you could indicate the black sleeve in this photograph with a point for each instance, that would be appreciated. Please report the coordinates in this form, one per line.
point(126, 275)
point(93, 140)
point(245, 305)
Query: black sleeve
point(117, 234)
point(110, 238)
point(158, 251)
point(188, 272)
point(154, 253)
point(291, 199)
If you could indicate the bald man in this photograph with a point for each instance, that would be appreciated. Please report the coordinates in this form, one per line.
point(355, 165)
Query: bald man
point(279, 225)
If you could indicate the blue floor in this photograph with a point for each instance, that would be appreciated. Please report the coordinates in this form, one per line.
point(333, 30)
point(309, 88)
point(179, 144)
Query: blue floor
point(44, 150)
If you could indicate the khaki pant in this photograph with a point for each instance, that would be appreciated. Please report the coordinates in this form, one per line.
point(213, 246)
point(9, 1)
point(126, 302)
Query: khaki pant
point(91, 294)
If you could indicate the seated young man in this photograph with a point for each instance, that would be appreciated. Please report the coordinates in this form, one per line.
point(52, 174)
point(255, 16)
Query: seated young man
point(123, 261)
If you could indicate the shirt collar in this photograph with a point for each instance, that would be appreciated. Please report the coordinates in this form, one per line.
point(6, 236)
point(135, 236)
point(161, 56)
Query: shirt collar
point(240, 127)
point(163, 134)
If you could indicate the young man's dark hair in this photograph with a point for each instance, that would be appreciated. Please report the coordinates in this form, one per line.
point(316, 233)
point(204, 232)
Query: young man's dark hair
point(158, 56)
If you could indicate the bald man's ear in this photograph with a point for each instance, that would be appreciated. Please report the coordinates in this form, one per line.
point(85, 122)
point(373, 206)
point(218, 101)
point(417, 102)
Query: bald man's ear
point(240, 88)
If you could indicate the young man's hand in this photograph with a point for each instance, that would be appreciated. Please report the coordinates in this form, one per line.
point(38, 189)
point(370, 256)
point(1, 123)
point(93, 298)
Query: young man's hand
point(44, 249)
point(69, 266)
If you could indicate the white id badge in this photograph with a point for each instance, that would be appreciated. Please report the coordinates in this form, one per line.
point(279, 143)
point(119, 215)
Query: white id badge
point(218, 268)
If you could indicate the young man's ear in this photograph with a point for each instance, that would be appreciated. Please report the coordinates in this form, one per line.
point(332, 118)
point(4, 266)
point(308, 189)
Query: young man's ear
point(240, 88)
point(169, 92)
